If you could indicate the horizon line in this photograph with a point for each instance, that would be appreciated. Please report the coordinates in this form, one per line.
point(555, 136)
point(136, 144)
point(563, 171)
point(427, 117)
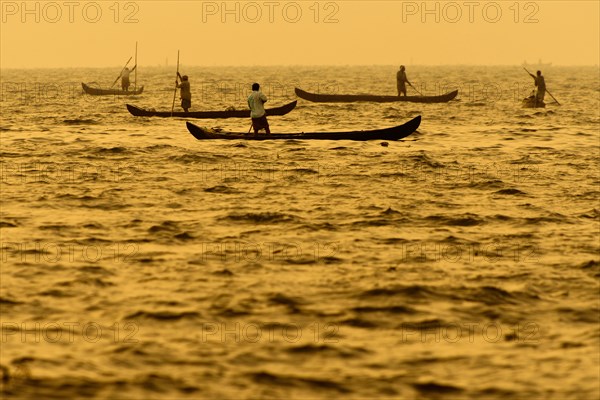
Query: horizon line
point(549, 65)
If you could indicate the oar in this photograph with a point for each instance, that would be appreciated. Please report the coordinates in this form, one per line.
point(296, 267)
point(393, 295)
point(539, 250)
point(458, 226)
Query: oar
point(121, 72)
point(547, 91)
point(552, 97)
point(175, 92)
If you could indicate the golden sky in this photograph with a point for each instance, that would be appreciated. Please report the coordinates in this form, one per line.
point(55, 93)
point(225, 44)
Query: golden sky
point(68, 33)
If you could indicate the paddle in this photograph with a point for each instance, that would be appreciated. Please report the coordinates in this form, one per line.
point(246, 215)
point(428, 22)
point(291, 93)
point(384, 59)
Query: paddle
point(547, 91)
point(175, 92)
point(553, 97)
point(121, 72)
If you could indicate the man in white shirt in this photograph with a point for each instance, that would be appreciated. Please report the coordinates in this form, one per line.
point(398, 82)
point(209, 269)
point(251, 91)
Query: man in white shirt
point(256, 102)
point(125, 78)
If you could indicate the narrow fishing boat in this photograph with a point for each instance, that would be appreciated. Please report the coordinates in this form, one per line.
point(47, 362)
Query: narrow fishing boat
point(349, 98)
point(530, 102)
point(92, 91)
point(393, 133)
point(140, 112)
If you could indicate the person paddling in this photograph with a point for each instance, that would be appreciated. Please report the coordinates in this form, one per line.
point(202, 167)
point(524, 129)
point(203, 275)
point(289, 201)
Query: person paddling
point(256, 102)
point(540, 83)
point(185, 93)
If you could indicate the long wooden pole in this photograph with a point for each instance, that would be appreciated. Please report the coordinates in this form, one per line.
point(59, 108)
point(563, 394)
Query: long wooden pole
point(175, 92)
point(121, 72)
point(135, 81)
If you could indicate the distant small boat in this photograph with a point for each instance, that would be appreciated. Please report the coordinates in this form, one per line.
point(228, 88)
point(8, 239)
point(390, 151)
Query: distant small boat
point(394, 133)
point(139, 112)
point(349, 98)
point(530, 102)
point(540, 65)
point(108, 92)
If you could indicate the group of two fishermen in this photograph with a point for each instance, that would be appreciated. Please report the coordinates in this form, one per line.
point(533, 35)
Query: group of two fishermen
point(540, 84)
point(256, 102)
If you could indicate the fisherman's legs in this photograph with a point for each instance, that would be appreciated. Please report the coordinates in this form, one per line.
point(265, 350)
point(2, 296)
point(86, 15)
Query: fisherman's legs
point(125, 84)
point(401, 89)
point(186, 104)
point(256, 125)
point(261, 123)
point(541, 93)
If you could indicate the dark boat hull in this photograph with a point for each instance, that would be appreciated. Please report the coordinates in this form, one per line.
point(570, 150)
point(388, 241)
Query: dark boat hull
point(349, 98)
point(138, 112)
point(530, 102)
point(110, 92)
point(394, 133)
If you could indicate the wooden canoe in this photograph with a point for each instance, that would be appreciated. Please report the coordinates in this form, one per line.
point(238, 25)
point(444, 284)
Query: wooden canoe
point(139, 112)
point(349, 98)
point(110, 92)
point(530, 102)
point(394, 133)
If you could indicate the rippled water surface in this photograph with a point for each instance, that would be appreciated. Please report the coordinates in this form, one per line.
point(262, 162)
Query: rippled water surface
point(461, 262)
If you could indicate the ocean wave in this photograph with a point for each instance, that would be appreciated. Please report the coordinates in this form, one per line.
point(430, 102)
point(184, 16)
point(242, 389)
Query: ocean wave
point(261, 218)
point(167, 315)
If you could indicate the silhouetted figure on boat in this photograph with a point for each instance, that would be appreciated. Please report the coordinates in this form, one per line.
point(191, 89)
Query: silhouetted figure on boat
point(125, 78)
point(540, 84)
point(256, 102)
point(185, 92)
point(401, 79)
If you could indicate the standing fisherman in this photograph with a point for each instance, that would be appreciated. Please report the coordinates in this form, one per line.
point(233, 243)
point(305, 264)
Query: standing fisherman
point(125, 78)
point(540, 83)
point(185, 93)
point(256, 102)
point(400, 80)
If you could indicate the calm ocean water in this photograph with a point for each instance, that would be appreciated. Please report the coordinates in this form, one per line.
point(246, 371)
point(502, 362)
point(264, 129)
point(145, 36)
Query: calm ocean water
point(462, 262)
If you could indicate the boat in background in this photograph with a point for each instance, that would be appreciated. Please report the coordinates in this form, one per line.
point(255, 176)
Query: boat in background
point(92, 91)
point(139, 112)
point(349, 98)
point(108, 92)
point(394, 133)
point(539, 66)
